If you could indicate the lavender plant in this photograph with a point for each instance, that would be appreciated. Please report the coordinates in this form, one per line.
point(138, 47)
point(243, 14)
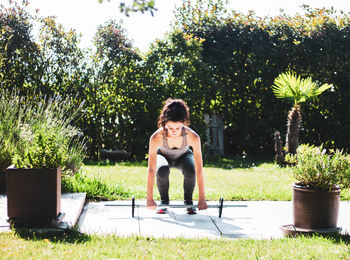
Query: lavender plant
point(9, 121)
point(48, 137)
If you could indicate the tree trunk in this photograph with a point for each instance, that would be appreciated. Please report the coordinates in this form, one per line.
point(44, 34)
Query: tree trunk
point(293, 126)
point(279, 157)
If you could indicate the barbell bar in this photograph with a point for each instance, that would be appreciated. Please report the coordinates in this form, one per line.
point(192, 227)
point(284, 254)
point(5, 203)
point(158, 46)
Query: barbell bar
point(133, 205)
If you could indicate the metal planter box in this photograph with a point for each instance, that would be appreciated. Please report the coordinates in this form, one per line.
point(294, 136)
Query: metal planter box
point(33, 195)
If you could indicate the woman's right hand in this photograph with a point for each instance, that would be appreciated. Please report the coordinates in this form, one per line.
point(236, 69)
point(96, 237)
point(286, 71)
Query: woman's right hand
point(151, 204)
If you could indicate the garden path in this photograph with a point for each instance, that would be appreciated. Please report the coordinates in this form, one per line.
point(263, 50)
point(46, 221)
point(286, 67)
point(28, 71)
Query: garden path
point(71, 205)
point(259, 220)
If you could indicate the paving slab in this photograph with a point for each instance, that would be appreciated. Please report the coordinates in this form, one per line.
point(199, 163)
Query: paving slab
point(258, 220)
point(344, 217)
point(4, 226)
point(97, 218)
point(71, 205)
point(177, 223)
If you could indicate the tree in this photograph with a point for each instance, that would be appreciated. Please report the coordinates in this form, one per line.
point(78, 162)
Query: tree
point(293, 88)
point(220, 61)
point(61, 61)
point(18, 52)
point(137, 6)
point(114, 95)
point(174, 68)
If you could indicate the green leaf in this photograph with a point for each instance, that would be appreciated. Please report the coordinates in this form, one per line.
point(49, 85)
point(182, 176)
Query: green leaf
point(292, 87)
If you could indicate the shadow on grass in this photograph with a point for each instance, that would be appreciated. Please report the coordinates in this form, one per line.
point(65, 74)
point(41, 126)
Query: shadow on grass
point(116, 163)
point(338, 238)
point(62, 236)
point(226, 162)
point(333, 237)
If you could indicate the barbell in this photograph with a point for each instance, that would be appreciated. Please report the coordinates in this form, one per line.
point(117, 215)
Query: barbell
point(133, 205)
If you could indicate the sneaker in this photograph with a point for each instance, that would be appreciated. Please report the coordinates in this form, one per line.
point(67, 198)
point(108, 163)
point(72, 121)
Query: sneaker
point(162, 208)
point(162, 211)
point(191, 211)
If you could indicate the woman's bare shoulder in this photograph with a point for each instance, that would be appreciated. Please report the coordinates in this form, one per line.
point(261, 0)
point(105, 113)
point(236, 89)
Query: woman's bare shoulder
point(191, 133)
point(157, 135)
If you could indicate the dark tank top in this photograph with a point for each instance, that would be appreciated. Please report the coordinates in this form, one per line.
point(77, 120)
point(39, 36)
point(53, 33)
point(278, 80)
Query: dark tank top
point(174, 153)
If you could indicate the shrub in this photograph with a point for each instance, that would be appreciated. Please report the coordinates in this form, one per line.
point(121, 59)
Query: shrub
point(314, 167)
point(9, 117)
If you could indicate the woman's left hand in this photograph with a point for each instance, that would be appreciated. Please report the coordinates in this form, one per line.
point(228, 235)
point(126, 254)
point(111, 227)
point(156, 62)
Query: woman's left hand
point(202, 204)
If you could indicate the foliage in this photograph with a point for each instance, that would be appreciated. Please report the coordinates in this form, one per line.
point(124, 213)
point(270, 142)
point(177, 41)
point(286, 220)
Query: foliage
point(95, 188)
point(61, 62)
point(114, 98)
point(292, 87)
point(75, 155)
point(136, 6)
point(315, 168)
point(9, 131)
point(46, 135)
point(18, 52)
point(219, 61)
point(245, 53)
point(51, 62)
point(42, 152)
point(173, 68)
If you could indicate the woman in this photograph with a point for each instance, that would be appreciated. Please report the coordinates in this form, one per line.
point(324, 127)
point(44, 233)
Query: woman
point(169, 147)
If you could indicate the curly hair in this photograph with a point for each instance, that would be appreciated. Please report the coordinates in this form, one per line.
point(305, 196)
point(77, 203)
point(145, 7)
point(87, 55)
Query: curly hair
point(174, 110)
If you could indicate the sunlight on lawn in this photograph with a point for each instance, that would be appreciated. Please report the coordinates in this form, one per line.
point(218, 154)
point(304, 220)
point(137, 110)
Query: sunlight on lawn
point(265, 182)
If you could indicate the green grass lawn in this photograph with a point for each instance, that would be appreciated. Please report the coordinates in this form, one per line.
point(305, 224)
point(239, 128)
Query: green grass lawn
point(231, 179)
point(73, 245)
point(265, 181)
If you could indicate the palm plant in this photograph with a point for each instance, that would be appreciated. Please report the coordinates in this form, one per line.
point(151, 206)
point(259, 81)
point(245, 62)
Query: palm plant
point(293, 88)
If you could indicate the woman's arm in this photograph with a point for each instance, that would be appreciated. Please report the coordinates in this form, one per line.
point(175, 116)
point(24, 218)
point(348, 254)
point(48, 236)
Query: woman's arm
point(152, 162)
point(195, 142)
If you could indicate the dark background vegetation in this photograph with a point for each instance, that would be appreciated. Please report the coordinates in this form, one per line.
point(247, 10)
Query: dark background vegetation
point(218, 61)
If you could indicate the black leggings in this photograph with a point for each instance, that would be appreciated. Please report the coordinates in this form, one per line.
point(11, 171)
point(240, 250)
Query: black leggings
point(185, 163)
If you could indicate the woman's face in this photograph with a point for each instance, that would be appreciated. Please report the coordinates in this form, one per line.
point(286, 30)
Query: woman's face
point(174, 128)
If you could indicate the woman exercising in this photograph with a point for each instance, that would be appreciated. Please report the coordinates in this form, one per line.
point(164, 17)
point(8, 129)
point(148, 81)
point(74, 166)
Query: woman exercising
point(169, 146)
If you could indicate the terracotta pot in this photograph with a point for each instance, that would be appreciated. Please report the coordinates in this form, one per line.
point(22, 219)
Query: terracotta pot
point(33, 194)
point(315, 208)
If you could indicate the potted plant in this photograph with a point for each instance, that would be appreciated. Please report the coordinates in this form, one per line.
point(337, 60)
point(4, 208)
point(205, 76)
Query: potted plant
point(320, 176)
point(46, 139)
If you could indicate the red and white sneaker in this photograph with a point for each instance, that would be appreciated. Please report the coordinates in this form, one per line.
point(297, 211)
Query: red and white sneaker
point(162, 211)
point(162, 208)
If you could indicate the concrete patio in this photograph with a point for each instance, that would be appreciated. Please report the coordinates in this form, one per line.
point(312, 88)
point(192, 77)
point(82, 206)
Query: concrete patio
point(71, 205)
point(259, 220)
